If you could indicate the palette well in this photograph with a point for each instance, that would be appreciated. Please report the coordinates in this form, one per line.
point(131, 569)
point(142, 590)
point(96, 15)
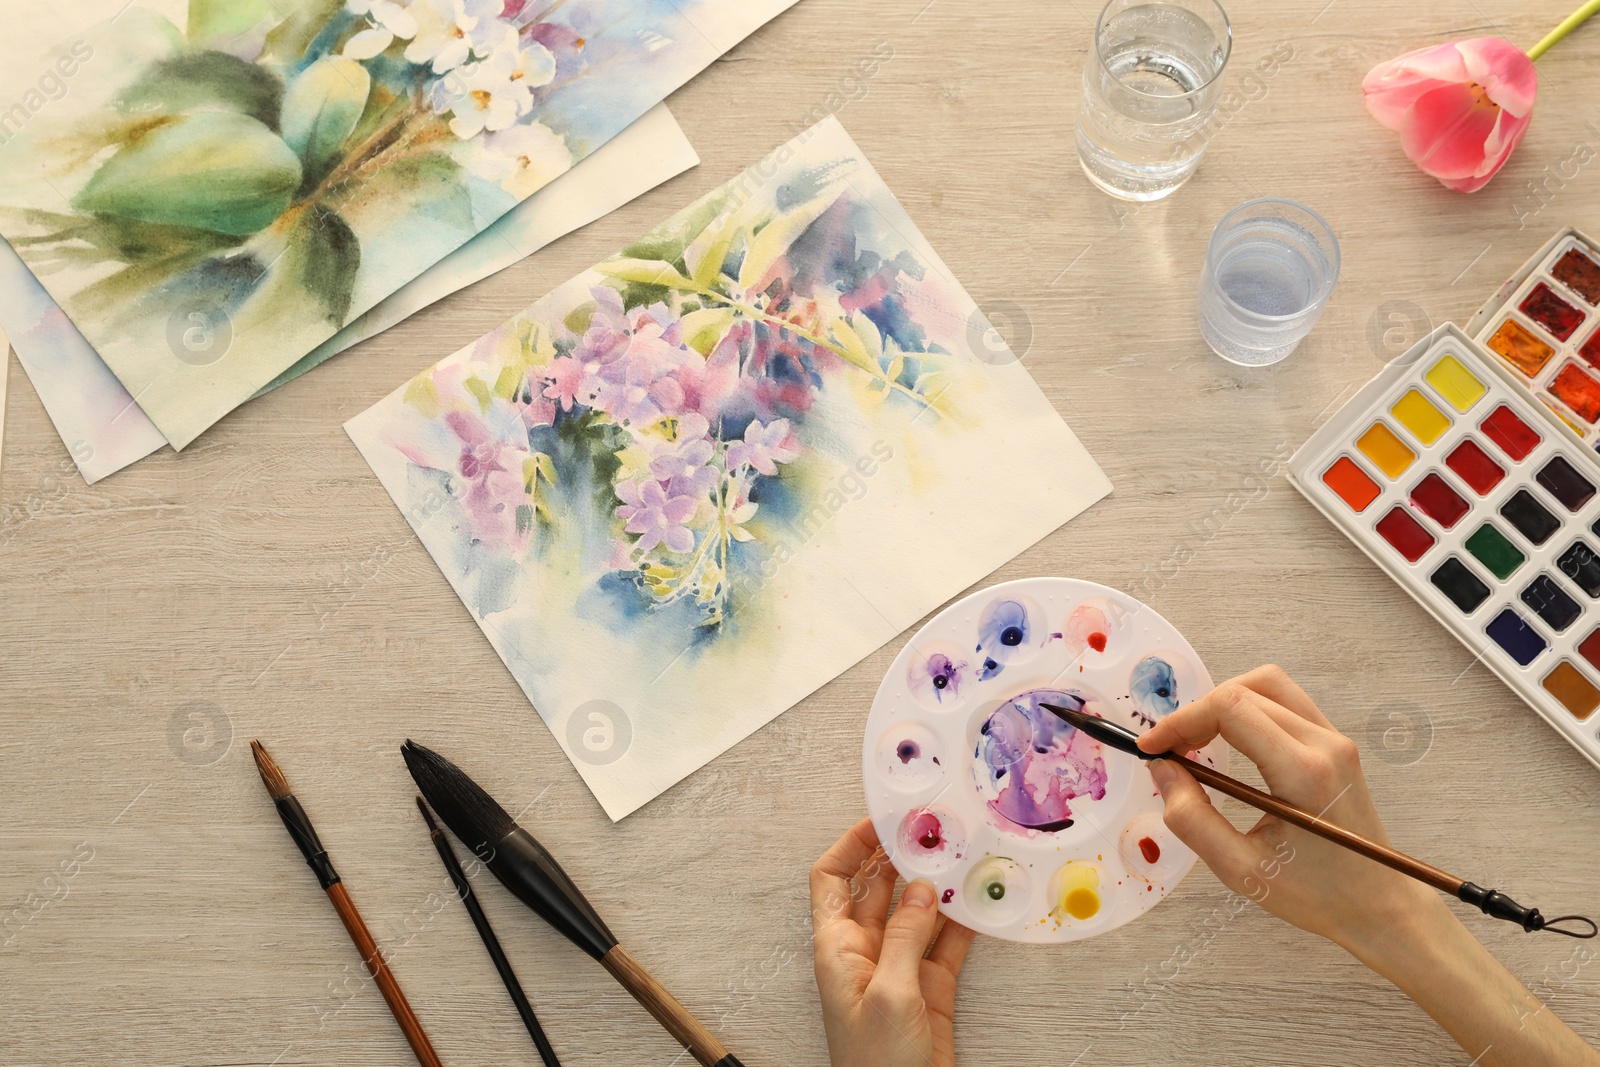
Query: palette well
point(1544, 325)
point(1028, 829)
point(1471, 494)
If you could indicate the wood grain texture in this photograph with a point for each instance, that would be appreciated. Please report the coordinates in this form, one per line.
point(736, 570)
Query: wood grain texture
point(263, 584)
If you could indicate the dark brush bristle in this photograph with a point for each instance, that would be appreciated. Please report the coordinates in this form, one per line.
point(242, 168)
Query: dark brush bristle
point(463, 805)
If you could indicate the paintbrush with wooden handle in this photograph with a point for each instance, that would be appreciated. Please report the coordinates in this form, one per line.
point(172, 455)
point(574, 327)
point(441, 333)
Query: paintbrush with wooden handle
point(305, 835)
point(1489, 901)
point(523, 865)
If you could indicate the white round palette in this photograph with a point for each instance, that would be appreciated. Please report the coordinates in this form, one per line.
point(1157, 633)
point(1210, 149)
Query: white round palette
point(1029, 829)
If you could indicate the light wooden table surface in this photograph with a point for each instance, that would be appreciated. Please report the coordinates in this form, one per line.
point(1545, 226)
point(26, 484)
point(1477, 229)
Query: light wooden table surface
point(263, 585)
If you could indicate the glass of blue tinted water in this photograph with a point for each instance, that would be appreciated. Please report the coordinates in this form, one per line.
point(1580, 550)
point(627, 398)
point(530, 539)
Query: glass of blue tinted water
point(1269, 271)
point(1150, 89)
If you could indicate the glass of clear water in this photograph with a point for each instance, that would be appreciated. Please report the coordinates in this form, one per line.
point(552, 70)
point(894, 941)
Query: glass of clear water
point(1150, 89)
point(1269, 271)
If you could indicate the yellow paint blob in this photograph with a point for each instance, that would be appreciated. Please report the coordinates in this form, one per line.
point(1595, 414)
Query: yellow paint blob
point(1419, 416)
point(1078, 886)
point(1082, 903)
point(1386, 450)
point(1460, 387)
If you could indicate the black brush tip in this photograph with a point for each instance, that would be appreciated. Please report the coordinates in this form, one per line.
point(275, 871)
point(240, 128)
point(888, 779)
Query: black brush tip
point(463, 805)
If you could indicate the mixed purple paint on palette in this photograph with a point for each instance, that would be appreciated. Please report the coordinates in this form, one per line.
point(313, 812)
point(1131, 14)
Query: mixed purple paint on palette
point(1029, 765)
point(938, 676)
point(1002, 632)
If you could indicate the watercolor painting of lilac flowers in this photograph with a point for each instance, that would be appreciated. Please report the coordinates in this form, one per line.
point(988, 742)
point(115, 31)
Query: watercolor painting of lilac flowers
point(229, 183)
point(700, 480)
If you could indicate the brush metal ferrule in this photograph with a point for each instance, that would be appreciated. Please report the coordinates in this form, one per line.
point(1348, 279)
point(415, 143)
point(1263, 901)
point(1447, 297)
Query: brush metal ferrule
point(305, 835)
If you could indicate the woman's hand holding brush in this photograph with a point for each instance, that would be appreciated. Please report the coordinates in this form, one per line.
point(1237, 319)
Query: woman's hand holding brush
point(1398, 927)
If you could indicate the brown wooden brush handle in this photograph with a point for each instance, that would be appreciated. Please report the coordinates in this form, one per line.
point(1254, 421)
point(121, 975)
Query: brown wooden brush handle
point(1409, 865)
point(689, 1031)
point(410, 1025)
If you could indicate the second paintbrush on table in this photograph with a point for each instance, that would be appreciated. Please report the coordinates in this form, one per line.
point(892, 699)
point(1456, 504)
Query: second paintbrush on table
point(469, 900)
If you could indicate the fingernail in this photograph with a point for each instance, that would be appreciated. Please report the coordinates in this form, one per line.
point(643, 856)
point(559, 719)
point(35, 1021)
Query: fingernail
point(1164, 774)
point(918, 894)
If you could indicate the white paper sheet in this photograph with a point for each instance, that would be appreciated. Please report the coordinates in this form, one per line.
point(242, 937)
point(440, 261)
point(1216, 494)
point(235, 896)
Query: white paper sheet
point(693, 484)
point(104, 430)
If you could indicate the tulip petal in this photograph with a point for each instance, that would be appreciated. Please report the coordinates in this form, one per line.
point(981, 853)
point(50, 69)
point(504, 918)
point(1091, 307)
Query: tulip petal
point(1504, 71)
point(1392, 88)
point(1446, 132)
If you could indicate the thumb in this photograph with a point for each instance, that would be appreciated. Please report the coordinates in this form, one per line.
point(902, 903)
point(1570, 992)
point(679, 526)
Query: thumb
point(907, 936)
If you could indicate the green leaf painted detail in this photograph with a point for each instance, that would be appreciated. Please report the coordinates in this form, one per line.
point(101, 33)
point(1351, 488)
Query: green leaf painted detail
point(275, 30)
point(321, 109)
point(212, 23)
point(290, 40)
point(210, 170)
point(324, 256)
point(206, 81)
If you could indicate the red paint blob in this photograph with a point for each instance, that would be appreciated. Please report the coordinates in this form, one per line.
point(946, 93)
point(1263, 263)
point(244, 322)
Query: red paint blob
point(1513, 435)
point(1149, 849)
point(1097, 641)
point(1475, 467)
point(925, 830)
point(949, 895)
point(1550, 311)
point(1406, 534)
point(1438, 501)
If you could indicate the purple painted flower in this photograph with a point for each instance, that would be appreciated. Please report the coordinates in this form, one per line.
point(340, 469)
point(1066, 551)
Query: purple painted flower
point(488, 480)
point(764, 447)
point(656, 516)
point(692, 448)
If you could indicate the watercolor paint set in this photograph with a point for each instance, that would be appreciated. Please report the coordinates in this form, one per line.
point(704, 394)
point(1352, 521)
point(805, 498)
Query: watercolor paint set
point(1462, 481)
point(1544, 325)
point(1030, 829)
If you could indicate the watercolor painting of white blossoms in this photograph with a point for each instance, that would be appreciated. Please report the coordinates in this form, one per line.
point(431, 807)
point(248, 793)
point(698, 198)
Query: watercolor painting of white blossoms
point(230, 182)
point(695, 483)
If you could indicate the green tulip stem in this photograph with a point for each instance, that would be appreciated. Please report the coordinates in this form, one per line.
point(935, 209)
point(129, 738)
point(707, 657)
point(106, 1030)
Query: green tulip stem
point(1570, 23)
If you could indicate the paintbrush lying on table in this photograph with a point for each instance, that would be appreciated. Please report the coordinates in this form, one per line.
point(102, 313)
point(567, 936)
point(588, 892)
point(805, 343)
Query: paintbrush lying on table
point(497, 954)
point(1489, 901)
point(525, 868)
point(305, 835)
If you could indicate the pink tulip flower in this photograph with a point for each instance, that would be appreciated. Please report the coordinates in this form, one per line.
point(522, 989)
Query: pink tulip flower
point(1460, 108)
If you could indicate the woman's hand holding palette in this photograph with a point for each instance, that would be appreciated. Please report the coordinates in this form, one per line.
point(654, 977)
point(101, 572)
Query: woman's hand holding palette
point(1028, 830)
point(1445, 470)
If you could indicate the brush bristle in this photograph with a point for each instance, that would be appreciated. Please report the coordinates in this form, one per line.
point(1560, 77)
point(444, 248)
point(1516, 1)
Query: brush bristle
point(463, 805)
point(277, 785)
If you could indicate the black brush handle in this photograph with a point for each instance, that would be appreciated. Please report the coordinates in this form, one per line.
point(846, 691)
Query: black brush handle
point(469, 900)
point(525, 868)
point(299, 826)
